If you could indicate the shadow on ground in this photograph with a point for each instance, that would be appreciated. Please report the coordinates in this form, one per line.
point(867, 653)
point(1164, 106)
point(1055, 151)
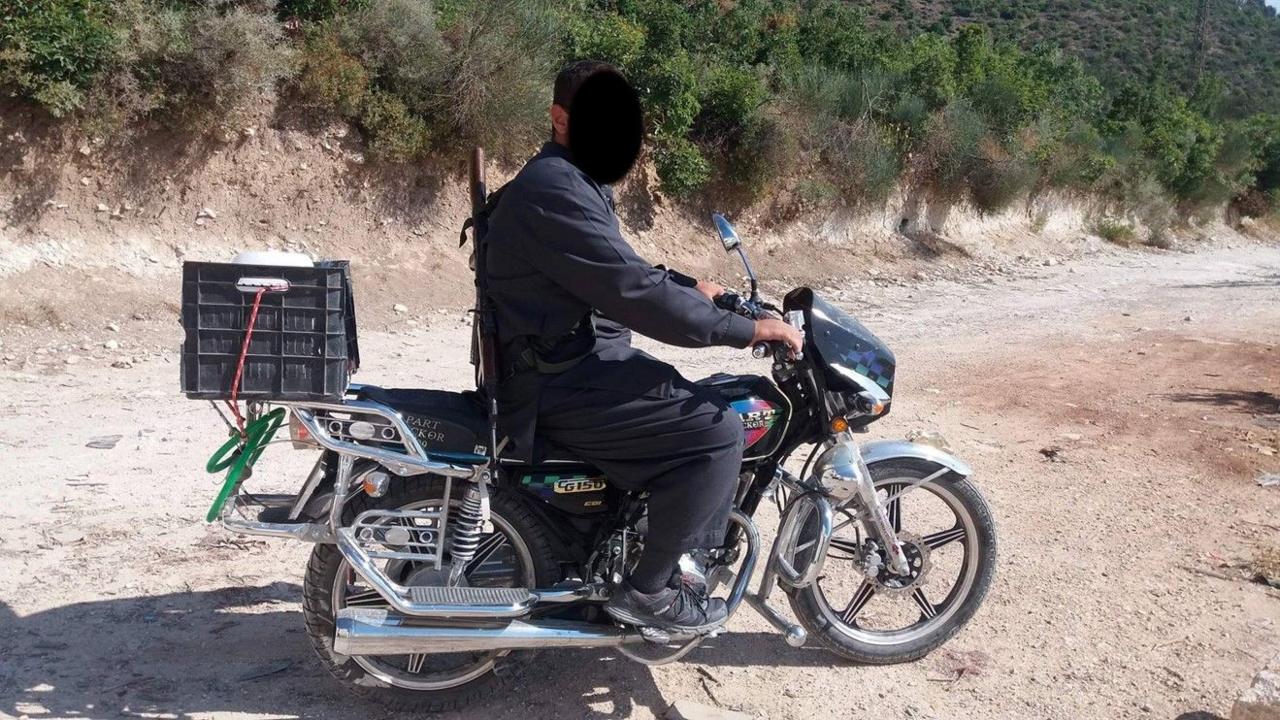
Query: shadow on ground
point(1256, 402)
point(244, 651)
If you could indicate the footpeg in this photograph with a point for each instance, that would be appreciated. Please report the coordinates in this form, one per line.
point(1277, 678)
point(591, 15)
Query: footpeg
point(474, 599)
point(434, 601)
point(655, 635)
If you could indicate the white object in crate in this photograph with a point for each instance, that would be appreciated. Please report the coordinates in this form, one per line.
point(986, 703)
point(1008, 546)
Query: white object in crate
point(278, 258)
point(273, 257)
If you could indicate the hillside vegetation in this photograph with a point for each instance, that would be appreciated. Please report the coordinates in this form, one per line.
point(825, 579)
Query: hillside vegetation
point(1238, 41)
point(795, 104)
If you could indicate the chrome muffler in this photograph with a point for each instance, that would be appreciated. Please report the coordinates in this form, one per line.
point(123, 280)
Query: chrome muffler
point(368, 631)
point(373, 631)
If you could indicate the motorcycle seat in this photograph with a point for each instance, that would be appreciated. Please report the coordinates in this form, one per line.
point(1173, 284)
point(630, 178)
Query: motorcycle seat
point(452, 425)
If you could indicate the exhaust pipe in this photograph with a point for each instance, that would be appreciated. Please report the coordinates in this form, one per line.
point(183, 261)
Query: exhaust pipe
point(366, 631)
point(370, 631)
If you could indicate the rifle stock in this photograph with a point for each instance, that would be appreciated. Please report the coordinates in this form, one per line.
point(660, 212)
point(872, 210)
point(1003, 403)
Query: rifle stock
point(485, 330)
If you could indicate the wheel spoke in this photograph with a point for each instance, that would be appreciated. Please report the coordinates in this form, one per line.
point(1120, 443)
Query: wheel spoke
point(364, 598)
point(485, 550)
point(415, 663)
point(944, 537)
point(859, 601)
point(927, 609)
point(848, 546)
point(893, 508)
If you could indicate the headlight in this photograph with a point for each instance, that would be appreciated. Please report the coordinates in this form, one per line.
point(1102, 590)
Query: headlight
point(839, 469)
point(857, 404)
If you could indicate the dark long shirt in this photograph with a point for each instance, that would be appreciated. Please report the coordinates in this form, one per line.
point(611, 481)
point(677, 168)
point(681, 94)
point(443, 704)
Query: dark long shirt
point(556, 256)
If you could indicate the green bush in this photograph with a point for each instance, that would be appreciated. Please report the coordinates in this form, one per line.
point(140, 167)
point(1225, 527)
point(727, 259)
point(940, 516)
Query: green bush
point(397, 43)
point(392, 132)
point(862, 161)
point(51, 51)
point(484, 77)
point(136, 84)
point(316, 9)
point(682, 170)
point(763, 153)
point(607, 37)
point(502, 56)
point(1000, 178)
point(1115, 231)
point(235, 56)
point(668, 87)
point(948, 154)
point(825, 94)
point(331, 77)
point(836, 34)
point(729, 98)
point(200, 65)
point(930, 70)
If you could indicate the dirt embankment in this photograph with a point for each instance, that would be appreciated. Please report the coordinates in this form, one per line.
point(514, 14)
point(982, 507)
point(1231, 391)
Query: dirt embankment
point(94, 231)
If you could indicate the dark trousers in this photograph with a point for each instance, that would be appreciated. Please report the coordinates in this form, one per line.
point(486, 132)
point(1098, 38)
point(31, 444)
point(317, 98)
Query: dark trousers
point(681, 442)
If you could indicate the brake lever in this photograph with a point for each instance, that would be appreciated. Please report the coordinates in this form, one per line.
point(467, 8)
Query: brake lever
point(795, 319)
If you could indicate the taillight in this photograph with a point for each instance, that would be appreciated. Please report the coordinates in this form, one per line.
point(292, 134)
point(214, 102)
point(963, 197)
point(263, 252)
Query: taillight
point(299, 434)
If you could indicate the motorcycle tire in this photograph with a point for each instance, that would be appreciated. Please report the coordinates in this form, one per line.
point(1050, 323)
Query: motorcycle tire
point(821, 622)
point(319, 612)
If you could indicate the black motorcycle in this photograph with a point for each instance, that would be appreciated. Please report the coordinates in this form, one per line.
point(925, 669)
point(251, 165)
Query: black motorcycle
point(439, 567)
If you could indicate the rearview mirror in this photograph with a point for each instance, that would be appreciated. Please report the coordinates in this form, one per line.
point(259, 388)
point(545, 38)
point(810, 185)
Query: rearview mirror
point(728, 236)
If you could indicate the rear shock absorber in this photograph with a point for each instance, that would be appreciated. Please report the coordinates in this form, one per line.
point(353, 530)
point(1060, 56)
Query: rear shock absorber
point(467, 528)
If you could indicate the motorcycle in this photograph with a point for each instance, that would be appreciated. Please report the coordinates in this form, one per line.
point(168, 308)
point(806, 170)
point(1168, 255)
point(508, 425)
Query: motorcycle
point(438, 566)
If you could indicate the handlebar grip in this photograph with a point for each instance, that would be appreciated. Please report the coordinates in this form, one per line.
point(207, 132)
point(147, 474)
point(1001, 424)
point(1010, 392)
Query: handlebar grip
point(760, 350)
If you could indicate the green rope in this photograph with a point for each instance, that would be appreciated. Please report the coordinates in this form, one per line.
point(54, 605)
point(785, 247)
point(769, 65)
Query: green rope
point(240, 454)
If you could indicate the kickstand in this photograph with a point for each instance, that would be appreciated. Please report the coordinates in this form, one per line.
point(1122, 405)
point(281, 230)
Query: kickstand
point(679, 653)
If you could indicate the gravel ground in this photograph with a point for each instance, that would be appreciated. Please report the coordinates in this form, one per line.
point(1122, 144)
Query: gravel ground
point(1124, 582)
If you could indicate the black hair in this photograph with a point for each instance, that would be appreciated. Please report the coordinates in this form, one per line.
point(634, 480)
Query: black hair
point(571, 77)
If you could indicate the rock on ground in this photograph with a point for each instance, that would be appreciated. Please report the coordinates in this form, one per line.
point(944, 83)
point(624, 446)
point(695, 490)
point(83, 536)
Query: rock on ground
point(1262, 700)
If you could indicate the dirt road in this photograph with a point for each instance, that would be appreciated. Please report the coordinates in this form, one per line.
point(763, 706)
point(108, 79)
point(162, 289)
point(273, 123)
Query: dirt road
point(1152, 380)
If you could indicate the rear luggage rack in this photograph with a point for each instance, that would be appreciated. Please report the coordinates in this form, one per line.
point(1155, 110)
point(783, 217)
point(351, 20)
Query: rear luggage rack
point(404, 455)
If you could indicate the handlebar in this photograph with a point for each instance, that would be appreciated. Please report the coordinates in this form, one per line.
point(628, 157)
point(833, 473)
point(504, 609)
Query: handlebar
point(756, 311)
point(735, 303)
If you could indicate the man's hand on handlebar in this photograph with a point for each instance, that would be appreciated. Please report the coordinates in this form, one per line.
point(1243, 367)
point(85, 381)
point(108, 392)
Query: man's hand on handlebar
point(772, 330)
point(710, 289)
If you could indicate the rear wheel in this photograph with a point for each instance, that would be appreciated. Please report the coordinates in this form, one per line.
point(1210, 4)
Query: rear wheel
point(863, 611)
point(514, 552)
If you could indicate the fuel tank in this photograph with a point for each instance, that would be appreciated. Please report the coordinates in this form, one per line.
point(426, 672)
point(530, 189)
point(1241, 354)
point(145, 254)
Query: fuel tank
point(764, 409)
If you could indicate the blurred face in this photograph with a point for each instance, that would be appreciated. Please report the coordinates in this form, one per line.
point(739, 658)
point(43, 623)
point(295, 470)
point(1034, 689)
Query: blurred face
point(603, 127)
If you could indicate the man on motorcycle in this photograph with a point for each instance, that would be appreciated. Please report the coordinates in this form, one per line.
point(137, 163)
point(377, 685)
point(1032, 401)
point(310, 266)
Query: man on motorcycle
point(568, 290)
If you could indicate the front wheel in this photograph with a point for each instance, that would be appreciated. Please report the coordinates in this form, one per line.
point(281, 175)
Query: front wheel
point(861, 610)
point(513, 552)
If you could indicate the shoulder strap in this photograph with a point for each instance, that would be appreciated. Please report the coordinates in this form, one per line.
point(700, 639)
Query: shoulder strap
point(490, 204)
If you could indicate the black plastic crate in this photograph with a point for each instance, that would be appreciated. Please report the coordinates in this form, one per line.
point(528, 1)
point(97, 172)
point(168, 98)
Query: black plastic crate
point(304, 344)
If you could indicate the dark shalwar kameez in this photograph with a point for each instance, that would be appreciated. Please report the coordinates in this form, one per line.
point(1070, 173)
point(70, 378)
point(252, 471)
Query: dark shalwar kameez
point(557, 267)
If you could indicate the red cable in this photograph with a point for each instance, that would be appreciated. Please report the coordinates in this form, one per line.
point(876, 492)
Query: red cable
point(244, 351)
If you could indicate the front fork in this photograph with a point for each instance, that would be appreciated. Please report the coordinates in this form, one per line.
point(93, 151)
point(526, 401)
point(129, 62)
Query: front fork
point(879, 516)
point(852, 474)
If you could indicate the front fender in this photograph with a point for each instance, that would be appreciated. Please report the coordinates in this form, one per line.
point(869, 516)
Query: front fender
point(881, 450)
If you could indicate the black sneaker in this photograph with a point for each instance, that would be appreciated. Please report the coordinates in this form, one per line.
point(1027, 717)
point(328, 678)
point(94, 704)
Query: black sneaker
point(679, 609)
